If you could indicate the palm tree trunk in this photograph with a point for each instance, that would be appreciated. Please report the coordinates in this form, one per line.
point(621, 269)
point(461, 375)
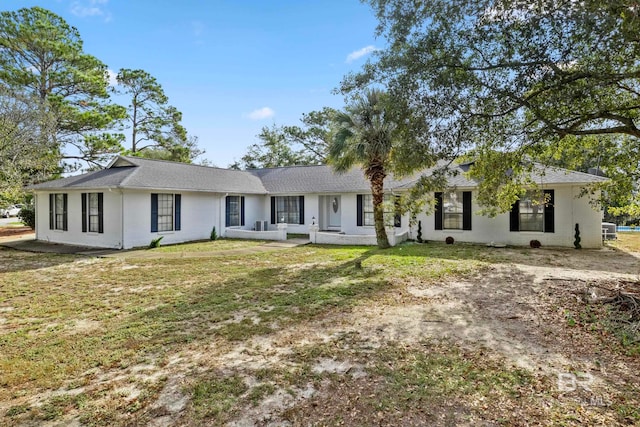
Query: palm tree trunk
point(376, 178)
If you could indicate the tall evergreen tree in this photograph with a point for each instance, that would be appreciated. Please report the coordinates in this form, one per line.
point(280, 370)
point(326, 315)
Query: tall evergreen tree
point(155, 125)
point(42, 55)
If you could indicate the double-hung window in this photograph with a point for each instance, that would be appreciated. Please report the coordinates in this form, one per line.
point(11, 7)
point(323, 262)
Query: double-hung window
point(533, 212)
point(365, 210)
point(234, 208)
point(453, 210)
point(92, 212)
point(58, 203)
point(287, 209)
point(165, 212)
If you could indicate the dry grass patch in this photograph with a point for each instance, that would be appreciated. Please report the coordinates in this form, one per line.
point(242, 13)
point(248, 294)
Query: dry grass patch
point(211, 246)
point(308, 335)
point(629, 242)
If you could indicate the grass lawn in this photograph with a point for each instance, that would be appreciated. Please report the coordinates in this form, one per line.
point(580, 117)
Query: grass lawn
point(629, 241)
point(253, 337)
point(210, 246)
point(16, 224)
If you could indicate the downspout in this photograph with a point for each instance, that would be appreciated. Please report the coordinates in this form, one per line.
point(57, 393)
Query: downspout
point(121, 219)
point(35, 212)
point(222, 205)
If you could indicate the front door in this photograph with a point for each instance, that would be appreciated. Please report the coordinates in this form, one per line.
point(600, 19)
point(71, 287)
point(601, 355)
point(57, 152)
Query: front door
point(335, 208)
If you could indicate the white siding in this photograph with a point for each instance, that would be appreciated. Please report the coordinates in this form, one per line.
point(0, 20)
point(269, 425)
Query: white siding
point(568, 211)
point(200, 212)
point(112, 236)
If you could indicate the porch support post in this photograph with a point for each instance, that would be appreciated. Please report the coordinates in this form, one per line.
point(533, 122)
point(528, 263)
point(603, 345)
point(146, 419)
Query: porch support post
point(313, 233)
point(282, 231)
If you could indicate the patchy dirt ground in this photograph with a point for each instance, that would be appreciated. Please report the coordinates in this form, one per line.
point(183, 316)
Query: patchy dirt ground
point(514, 312)
point(524, 315)
point(14, 231)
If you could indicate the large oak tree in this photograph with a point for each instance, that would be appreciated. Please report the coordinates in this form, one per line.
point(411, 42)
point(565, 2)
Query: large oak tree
point(513, 80)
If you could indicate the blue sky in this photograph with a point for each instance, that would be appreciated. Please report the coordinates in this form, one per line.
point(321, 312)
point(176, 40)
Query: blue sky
point(231, 67)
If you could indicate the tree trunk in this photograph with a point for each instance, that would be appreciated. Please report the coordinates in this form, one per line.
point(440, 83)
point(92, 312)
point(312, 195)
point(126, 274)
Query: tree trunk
point(134, 125)
point(376, 178)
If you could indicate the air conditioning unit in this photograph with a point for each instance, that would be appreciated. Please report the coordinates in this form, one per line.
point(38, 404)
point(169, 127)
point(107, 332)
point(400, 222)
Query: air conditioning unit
point(262, 225)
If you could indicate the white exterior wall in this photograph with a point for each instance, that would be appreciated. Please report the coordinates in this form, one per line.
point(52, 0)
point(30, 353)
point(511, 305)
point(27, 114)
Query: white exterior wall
point(254, 211)
point(112, 236)
point(311, 209)
point(130, 225)
point(200, 212)
point(568, 210)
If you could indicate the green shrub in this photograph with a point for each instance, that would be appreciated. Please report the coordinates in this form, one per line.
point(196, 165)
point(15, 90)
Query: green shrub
point(419, 236)
point(213, 235)
point(28, 216)
point(155, 243)
point(576, 242)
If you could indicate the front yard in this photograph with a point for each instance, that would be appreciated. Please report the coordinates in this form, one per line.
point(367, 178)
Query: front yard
point(426, 334)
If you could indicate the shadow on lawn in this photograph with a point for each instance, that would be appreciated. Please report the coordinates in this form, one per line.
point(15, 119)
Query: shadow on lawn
point(260, 301)
point(13, 260)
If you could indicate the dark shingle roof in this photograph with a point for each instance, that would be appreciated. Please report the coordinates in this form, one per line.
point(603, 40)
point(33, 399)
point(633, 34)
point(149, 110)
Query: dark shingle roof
point(318, 179)
point(135, 172)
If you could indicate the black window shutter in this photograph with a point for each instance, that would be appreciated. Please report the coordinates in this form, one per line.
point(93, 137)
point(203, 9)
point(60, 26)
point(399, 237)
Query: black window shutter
point(83, 196)
point(438, 213)
point(359, 212)
point(397, 217)
point(65, 205)
point(466, 210)
point(242, 211)
point(514, 217)
point(154, 212)
point(227, 211)
point(177, 200)
point(100, 213)
point(301, 207)
point(52, 201)
point(549, 226)
point(273, 210)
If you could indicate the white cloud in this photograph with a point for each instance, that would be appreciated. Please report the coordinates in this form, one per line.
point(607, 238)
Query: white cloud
point(85, 8)
point(360, 53)
point(261, 113)
point(111, 77)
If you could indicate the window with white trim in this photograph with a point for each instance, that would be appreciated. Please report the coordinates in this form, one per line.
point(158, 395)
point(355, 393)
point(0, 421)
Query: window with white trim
point(389, 207)
point(233, 211)
point(452, 210)
point(531, 212)
point(165, 212)
point(288, 209)
point(93, 212)
point(59, 213)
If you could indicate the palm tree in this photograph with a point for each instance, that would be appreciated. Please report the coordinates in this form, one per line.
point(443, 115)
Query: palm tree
point(366, 136)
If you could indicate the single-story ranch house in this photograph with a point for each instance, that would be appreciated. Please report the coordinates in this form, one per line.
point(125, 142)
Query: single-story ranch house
point(133, 201)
